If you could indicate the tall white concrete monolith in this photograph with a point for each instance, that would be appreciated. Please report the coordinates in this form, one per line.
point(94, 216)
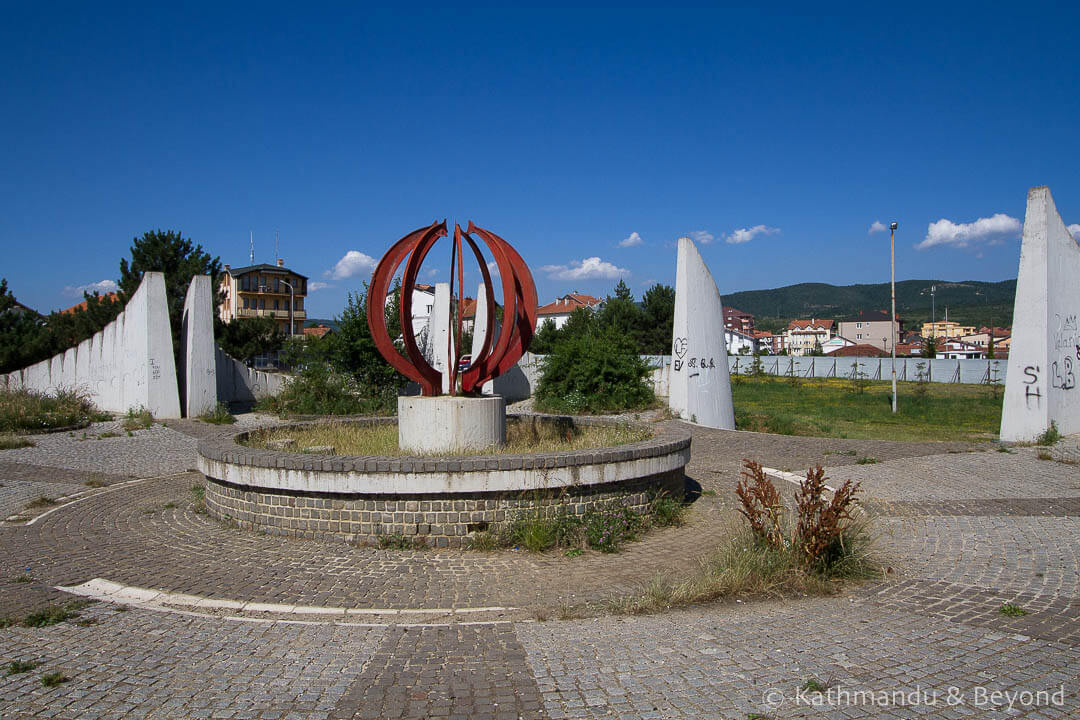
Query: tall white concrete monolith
point(480, 325)
point(198, 374)
point(700, 388)
point(442, 355)
point(1044, 356)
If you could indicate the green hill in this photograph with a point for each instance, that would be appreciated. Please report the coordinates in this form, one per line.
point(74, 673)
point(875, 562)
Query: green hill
point(970, 302)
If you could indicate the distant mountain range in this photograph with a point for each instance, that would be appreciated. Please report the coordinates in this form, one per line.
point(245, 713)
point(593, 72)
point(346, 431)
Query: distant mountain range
point(970, 302)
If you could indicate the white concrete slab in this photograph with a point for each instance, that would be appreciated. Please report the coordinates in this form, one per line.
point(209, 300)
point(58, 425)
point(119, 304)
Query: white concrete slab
point(1044, 358)
point(198, 368)
point(700, 387)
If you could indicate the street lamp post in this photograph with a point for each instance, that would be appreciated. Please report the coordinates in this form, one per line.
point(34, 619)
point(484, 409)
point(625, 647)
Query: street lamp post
point(892, 327)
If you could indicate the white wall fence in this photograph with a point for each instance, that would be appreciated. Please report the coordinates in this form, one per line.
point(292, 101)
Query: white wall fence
point(237, 382)
point(972, 372)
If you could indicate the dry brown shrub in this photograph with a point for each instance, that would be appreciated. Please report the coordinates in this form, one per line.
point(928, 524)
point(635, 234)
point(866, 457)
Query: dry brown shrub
point(821, 523)
point(761, 504)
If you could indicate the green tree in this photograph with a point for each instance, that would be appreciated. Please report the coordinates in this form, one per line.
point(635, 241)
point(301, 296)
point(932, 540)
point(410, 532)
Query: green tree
point(658, 308)
point(599, 372)
point(622, 291)
point(623, 316)
point(168, 252)
point(246, 338)
point(545, 338)
point(930, 351)
point(581, 324)
point(23, 335)
point(352, 350)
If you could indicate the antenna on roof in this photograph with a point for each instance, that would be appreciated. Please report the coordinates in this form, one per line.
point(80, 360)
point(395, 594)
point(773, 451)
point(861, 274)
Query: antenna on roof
point(251, 237)
point(277, 255)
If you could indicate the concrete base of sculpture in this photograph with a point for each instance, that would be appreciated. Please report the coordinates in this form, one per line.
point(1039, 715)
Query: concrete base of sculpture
point(446, 424)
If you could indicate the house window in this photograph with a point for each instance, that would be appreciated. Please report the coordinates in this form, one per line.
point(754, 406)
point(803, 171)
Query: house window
point(275, 304)
point(245, 303)
point(858, 324)
point(262, 304)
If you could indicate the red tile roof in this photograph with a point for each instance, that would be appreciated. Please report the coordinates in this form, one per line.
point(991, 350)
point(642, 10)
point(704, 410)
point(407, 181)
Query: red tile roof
point(109, 297)
point(317, 331)
point(859, 351)
point(804, 324)
point(568, 304)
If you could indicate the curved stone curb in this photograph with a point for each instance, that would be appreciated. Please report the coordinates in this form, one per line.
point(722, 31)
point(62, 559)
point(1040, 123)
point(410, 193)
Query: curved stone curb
point(103, 590)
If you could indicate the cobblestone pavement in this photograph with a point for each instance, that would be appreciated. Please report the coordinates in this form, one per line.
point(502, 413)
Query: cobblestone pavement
point(963, 532)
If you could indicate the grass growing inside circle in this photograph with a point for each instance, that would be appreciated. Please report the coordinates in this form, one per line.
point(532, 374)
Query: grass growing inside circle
point(382, 440)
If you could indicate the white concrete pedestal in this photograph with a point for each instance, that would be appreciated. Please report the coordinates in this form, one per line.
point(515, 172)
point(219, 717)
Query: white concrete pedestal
point(446, 424)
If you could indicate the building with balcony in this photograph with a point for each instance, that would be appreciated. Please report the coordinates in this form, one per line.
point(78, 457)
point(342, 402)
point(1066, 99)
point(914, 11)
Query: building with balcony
point(872, 327)
point(263, 291)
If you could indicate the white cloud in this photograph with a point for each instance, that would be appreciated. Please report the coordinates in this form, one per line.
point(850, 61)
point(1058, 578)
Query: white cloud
point(1074, 230)
point(316, 286)
point(992, 229)
point(102, 287)
point(587, 269)
point(493, 268)
point(352, 263)
point(702, 237)
point(742, 235)
point(432, 272)
point(877, 227)
point(632, 241)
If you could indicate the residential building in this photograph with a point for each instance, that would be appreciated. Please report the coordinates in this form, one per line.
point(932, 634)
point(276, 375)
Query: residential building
point(735, 319)
point(1002, 337)
point(835, 343)
point(739, 343)
point(767, 342)
point(317, 331)
point(560, 310)
point(946, 329)
point(806, 336)
point(263, 291)
point(871, 327)
point(958, 349)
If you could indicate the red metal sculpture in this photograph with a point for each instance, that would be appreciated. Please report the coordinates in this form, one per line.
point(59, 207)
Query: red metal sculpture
point(496, 356)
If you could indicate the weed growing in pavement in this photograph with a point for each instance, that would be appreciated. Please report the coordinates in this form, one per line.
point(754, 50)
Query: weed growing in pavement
point(220, 415)
point(6, 622)
point(96, 480)
point(867, 461)
point(821, 525)
point(138, 419)
point(769, 556)
point(396, 542)
point(53, 679)
point(107, 435)
point(761, 504)
point(14, 442)
point(41, 501)
point(574, 552)
point(1049, 437)
point(1010, 610)
point(199, 502)
point(170, 505)
point(1044, 455)
point(51, 615)
point(24, 578)
point(18, 666)
point(812, 685)
point(1003, 449)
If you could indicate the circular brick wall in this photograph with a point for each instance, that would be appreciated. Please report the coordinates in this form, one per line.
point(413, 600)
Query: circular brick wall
point(441, 500)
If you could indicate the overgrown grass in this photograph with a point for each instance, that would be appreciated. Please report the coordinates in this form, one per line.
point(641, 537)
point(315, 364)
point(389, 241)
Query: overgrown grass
point(53, 679)
point(220, 415)
point(54, 614)
point(605, 528)
point(138, 419)
point(521, 437)
point(30, 411)
point(745, 566)
point(828, 408)
point(14, 442)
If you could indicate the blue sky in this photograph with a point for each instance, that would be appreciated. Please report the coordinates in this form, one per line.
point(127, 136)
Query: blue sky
point(590, 139)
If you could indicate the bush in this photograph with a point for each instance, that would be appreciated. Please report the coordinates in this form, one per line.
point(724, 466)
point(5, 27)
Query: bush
point(220, 415)
point(320, 390)
point(29, 410)
point(596, 373)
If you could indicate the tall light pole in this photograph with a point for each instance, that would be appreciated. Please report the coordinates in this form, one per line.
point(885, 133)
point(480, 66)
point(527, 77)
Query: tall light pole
point(892, 327)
